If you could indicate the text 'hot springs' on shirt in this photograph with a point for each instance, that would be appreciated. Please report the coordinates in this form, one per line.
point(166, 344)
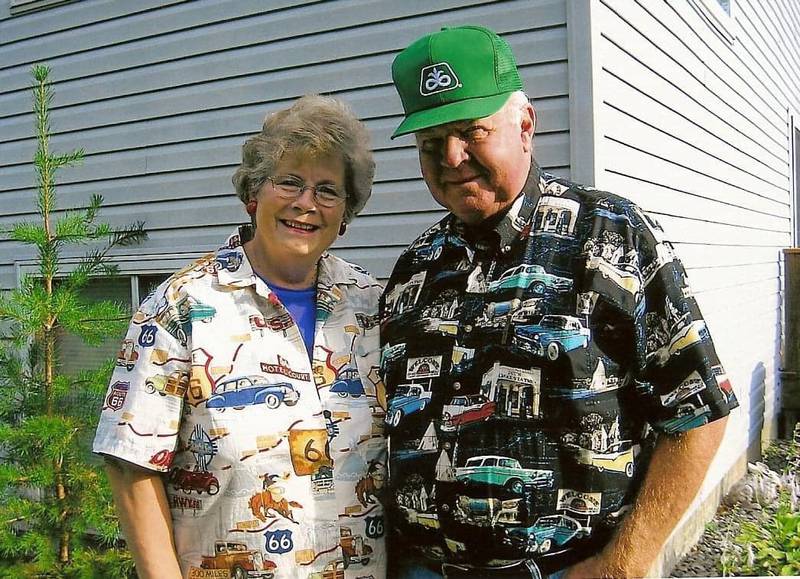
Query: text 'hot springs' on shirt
point(274, 462)
point(528, 372)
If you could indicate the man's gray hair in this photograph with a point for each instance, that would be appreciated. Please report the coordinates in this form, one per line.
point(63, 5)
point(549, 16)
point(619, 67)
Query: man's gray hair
point(314, 126)
point(515, 104)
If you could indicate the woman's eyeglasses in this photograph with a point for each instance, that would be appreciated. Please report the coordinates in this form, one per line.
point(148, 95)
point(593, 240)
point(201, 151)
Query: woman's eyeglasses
point(290, 187)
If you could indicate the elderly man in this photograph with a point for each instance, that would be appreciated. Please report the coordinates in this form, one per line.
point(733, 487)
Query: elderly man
point(554, 394)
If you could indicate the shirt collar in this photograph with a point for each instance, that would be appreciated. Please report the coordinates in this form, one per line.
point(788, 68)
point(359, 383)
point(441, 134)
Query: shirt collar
point(332, 270)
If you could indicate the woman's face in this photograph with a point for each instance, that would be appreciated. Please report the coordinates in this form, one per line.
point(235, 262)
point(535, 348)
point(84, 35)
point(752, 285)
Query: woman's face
point(298, 231)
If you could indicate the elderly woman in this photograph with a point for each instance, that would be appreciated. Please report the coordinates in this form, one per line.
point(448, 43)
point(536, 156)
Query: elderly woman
point(243, 421)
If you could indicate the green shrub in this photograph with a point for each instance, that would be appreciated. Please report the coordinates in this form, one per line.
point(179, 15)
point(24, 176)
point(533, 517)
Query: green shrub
point(771, 546)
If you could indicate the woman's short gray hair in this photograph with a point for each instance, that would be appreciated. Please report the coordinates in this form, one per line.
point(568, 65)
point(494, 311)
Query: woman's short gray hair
point(315, 126)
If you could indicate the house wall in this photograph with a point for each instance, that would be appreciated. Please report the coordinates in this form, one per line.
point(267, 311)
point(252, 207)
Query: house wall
point(693, 117)
point(162, 95)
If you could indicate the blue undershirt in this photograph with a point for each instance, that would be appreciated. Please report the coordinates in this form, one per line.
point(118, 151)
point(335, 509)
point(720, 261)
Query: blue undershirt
point(302, 305)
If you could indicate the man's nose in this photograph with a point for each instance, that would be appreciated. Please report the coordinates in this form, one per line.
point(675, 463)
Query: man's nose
point(455, 151)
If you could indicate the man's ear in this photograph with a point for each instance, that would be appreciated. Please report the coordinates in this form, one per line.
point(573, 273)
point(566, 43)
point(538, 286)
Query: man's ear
point(528, 127)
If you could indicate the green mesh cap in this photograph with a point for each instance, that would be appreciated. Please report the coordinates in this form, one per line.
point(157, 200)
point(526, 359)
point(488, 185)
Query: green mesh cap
point(456, 74)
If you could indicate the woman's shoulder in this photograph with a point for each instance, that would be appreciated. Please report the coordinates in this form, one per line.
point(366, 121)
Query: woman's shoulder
point(181, 283)
point(342, 272)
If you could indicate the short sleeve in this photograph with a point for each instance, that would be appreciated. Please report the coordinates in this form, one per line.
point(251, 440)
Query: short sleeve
point(142, 409)
point(678, 368)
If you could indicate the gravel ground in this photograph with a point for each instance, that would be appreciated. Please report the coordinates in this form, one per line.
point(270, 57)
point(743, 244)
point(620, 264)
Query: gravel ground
point(704, 558)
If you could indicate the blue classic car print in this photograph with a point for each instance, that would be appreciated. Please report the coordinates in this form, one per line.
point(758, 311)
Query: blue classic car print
point(230, 260)
point(433, 249)
point(348, 382)
point(531, 277)
point(552, 336)
point(251, 390)
point(407, 399)
point(546, 533)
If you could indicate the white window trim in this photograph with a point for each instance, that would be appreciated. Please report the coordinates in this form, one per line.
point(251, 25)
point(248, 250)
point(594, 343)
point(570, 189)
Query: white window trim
point(717, 19)
point(128, 264)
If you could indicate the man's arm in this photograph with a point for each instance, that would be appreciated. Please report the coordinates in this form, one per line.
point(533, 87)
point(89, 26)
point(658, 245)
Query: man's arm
point(144, 515)
point(676, 472)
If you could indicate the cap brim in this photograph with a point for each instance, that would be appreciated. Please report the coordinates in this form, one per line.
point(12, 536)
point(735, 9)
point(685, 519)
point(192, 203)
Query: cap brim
point(474, 108)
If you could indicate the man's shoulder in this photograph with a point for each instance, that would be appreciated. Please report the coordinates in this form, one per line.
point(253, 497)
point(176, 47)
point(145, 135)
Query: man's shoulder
point(589, 197)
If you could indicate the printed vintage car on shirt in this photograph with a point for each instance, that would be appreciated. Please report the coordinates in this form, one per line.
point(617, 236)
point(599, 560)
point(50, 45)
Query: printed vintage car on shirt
point(193, 480)
point(407, 399)
point(241, 562)
point(230, 260)
point(251, 390)
point(531, 277)
point(127, 355)
point(466, 409)
point(546, 533)
point(175, 384)
point(348, 383)
point(333, 570)
point(552, 336)
point(619, 457)
point(503, 472)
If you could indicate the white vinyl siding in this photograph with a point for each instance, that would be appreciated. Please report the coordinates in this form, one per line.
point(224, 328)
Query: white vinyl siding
point(694, 127)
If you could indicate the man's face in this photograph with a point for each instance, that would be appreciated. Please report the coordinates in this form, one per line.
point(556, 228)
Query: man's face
point(477, 168)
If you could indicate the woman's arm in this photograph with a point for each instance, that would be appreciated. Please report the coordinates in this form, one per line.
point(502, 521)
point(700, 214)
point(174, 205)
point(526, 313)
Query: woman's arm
point(144, 515)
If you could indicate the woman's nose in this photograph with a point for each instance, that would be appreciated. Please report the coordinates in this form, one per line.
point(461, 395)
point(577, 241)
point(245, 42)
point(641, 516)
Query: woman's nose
point(306, 200)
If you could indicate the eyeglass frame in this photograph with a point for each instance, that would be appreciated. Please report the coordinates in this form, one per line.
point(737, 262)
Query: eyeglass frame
point(303, 186)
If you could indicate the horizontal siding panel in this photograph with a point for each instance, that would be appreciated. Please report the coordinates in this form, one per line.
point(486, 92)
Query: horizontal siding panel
point(620, 43)
point(694, 256)
point(705, 279)
point(758, 33)
point(280, 88)
point(701, 231)
point(213, 222)
point(552, 116)
point(181, 23)
point(391, 163)
point(669, 121)
point(654, 184)
point(284, 54)
point(712, 57)
point(722, 305)
point(622, 70)
point(682, 161)
point(218, 29)
point(39, 25)
point(196, 187)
